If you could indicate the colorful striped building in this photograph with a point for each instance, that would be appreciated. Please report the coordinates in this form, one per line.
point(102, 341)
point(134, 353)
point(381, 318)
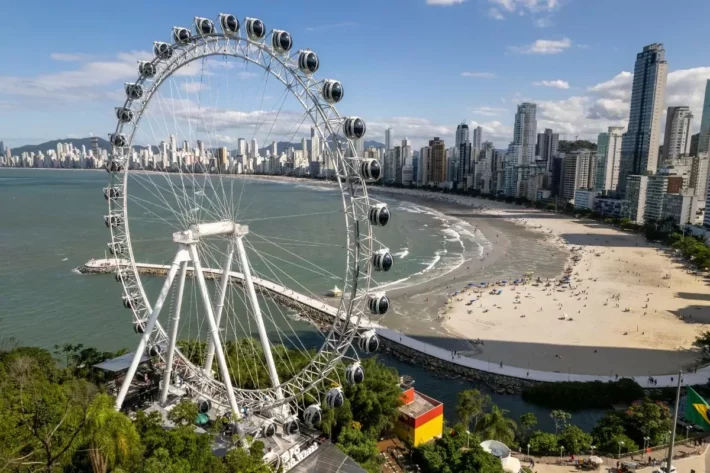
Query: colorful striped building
point(421, 418)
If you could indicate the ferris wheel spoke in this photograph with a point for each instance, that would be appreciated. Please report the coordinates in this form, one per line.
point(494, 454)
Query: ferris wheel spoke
point(318, 269)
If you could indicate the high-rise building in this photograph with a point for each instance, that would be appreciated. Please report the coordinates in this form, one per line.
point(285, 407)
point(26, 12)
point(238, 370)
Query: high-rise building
point(94, 147)
point(639, 149)
point(547, 143)
point(462, 152)
point(477, 142)
point(315, 145)
point(2, 149)
point(676, 140)
point(241, 146)
point(525, 131)
point(699, 175)
point(608, 157)
point(388, 138)
point(222, 159)
point(424, 166)
point(578, 170)
point(201, 149)
point(704, 139)
point(693, 148)
point(437, 171)
point(636, 190)
point(254, 148)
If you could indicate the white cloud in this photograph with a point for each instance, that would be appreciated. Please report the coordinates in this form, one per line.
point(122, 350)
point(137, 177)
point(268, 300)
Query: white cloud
point(495, 131)
point(489, 111)
point(544, 46)
point(525, 7)
point(496, 14)
point(444, 2)
point(557, 84)
point(69, 57)
point(479, 75)
point(193, 87)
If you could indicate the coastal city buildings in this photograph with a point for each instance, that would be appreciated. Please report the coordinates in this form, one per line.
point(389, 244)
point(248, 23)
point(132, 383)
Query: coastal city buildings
point(704, 135)
point(608, 157)
point(525, 132)
point(547, 144)
point(639, 149)
point(676, 140)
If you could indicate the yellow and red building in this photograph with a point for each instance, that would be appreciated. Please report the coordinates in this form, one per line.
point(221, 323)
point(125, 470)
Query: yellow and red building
point(421, 418)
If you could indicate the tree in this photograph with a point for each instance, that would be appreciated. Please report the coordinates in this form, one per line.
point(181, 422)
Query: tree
point(495, 426)
point(476, 460)
point(47, 419)
point(361, 448)
point(648, 418)
point(374, 402)
point(471, 405)
point(575, 440)
point(527, 423)
point(239, 460)
point(561, 418)
point(184, 413)
point(113, 439)
point(543, 443)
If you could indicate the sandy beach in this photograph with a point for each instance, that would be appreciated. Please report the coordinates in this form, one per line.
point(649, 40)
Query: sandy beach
point(629, 308)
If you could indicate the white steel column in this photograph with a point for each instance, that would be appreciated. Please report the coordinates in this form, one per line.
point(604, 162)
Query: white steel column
point(173, 335)
point(257, 315)
point(226, 269)
point(219, 351)
point(181, 256)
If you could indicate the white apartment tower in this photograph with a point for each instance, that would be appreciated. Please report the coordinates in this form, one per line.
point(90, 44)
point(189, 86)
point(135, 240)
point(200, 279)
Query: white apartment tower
point(704, 139)
point(477, 142)
point(608, 159)
point(639, 150)
point(525, 131)
point(388, 138)
point(676, 140)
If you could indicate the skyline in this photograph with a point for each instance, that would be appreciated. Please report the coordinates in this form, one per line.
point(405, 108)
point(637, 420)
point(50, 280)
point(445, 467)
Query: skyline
point(581, 83)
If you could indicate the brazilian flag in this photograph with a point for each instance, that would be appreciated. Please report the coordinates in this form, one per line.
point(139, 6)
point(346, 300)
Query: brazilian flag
point(696, 410)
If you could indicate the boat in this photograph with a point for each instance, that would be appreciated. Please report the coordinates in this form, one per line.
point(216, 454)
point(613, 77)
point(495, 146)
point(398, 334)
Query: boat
point(335, 292)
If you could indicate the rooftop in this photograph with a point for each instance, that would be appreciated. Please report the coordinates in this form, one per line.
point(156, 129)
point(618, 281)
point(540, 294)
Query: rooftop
point(420, 405)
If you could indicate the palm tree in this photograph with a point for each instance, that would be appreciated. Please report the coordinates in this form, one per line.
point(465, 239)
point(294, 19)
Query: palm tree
point(495, 426)
point(471, 404)
point(112, 437)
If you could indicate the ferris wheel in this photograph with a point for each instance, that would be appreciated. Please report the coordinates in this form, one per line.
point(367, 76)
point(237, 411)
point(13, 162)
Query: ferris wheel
point(224, 322)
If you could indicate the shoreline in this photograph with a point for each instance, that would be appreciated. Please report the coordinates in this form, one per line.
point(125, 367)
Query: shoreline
point(653, 336)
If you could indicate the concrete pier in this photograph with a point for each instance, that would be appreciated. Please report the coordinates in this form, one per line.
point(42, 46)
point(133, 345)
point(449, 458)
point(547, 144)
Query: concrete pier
point(503, 379)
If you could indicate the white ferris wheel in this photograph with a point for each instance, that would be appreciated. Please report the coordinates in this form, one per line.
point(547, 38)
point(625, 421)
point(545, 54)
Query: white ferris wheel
point(218, 322)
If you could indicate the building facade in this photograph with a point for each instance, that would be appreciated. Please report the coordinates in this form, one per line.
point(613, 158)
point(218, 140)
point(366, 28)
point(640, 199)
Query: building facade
point(639, 149)
point(676, 140)
point(525, 131)
point(547, 144)
point(704, 137)
point(608, 159)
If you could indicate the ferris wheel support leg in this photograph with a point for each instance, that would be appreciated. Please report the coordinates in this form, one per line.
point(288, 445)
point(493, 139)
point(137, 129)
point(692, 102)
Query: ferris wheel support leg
point(173, 335)
point(219, 351)
point(181, 256)
point(226, 269)
point(257, 315)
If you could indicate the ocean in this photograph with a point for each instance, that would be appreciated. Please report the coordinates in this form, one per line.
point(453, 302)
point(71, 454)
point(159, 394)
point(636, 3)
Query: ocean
point(51, 222)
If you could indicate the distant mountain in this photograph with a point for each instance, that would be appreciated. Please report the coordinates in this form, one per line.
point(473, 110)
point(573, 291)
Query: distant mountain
point(76, 142)
point(373, 144)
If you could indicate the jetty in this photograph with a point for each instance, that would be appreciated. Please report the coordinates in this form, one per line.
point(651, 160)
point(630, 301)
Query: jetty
point(503, 379)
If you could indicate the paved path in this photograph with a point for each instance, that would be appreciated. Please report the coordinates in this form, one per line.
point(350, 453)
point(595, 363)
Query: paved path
point(671, 380)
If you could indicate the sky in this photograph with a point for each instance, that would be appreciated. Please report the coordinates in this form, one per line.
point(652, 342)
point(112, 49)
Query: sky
point(419, 66)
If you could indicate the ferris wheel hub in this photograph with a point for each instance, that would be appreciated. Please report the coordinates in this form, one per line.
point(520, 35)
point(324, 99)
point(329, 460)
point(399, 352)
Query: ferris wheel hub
point(200, 230)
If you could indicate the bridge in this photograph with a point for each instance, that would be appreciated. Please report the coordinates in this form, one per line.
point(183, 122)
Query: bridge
point(397, 340)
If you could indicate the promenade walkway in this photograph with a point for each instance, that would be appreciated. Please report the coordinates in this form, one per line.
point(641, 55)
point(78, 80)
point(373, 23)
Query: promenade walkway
point(689, 379)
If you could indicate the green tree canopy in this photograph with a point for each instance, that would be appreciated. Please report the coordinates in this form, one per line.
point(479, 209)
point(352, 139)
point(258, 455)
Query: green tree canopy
point(494, 425)
point(470, 406)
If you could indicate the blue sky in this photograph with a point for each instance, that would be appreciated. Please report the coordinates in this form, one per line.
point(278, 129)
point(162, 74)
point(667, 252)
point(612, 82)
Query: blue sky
point(420, 66)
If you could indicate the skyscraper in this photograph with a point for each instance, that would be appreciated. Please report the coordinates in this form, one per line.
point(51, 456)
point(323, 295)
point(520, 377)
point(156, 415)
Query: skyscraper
point(388, 138)
point(476, 144)
point(704, 140)
point(424, 165)
point(315, 145)
point(608, 157)
point(437, 170)
point(463, 153)
point(639, 149)
point(547, 143)
point(676, 140)
point(525, 131)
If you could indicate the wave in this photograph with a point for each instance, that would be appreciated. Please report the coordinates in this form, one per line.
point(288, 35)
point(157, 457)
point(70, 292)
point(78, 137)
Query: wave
point(402, 253)
point(76, 271)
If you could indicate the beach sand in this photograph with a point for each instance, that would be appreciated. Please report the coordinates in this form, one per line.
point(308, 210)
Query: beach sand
point(629, 310)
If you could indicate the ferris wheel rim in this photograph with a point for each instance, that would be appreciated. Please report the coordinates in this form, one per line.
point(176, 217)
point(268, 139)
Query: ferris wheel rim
point(362, 240)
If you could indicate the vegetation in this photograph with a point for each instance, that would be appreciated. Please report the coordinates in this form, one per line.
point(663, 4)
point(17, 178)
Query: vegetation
point(590, 395)
point(55, 419)
point(471, 405)
point(455, 453)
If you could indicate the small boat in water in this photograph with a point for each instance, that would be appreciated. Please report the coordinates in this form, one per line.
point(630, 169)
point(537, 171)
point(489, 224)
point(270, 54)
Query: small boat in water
point(335, 292)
